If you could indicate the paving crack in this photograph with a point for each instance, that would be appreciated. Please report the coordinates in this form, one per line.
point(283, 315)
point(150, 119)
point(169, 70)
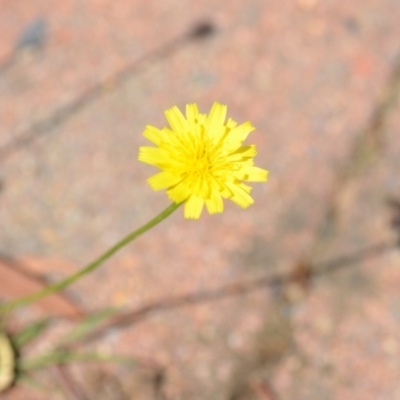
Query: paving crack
point(366, 152)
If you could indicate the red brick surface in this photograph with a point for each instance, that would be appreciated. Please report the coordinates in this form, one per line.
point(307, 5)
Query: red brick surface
point(310, 76)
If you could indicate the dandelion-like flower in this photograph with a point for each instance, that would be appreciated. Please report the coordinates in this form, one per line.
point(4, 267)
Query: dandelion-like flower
point(202, 159)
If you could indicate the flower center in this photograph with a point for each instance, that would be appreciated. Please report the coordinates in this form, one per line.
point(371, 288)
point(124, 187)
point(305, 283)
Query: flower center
point(201, 166)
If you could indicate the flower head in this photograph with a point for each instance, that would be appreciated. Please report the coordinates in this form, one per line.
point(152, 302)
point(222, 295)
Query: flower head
point(202, 159)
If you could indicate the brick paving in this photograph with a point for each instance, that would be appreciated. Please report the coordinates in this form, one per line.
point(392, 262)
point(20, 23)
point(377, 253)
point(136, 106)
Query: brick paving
point(311, 75)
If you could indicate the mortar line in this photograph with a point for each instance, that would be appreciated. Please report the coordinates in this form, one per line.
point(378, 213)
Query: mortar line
point(371, 137)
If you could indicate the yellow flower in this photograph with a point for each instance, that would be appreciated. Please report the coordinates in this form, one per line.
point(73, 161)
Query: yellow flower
point(202, 159)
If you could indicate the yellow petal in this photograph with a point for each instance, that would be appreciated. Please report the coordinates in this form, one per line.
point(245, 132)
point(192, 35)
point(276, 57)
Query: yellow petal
point(252, 174)
point(192, 112)
point(193, 207)
point(231, 124)
point(154, 135)
point(215, 204)
point(240, 133)
point(220, 135)
point(163, 180)
point(179, 192)
point(201, 188)
point(242, 153)
point(176, 119)
point(216, 117)
point(153, 155)
point(240, 195)
point(245, 187)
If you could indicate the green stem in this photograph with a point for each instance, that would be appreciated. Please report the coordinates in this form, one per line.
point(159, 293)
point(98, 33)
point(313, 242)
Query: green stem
point(64, 357)
point(55, 287)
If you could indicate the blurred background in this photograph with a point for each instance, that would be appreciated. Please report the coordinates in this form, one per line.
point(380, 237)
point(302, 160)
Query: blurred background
point(79, 81)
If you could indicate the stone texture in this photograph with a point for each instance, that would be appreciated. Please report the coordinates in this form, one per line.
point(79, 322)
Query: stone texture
point(310, 75)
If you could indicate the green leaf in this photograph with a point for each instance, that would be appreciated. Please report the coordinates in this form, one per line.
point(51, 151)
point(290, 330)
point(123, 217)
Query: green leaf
point(87, 325)
point(63, 356)
point(29, 380)
point(30, 332)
